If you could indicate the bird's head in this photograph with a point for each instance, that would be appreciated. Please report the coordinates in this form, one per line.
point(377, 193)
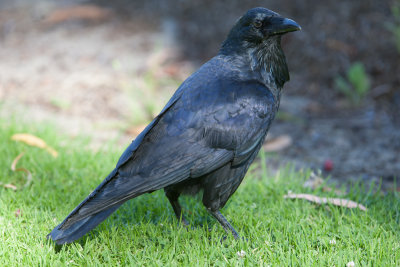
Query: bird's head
point(255, 38)
point(258, 25)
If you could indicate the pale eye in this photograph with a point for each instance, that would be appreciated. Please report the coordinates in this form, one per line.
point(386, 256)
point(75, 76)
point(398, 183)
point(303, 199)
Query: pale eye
point(257, 24)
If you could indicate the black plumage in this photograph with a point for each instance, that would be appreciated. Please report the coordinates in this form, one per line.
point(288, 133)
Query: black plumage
point(207, 135)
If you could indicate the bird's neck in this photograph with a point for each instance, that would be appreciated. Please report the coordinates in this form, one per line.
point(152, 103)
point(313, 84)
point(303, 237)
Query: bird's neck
point(266, 61)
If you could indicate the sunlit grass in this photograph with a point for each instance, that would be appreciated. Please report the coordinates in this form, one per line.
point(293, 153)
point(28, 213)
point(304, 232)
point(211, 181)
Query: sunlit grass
point(144, 231)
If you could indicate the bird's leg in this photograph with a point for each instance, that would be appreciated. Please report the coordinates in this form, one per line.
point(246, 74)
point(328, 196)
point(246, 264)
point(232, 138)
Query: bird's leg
point(222, 220)
point(173, 199)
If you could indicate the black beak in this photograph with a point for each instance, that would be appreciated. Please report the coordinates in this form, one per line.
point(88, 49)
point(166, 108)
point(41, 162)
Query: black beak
point(284, 25)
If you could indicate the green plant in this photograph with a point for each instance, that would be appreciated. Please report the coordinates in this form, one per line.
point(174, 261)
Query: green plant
point(356, 85)
point(394, 26)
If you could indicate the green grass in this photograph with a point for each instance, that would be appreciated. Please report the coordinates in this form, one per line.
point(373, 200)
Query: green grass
point(144, 231)
point(356, 85)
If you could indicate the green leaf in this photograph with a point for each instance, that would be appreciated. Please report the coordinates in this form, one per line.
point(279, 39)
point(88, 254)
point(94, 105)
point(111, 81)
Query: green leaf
point(343, 86)
point(359, 79)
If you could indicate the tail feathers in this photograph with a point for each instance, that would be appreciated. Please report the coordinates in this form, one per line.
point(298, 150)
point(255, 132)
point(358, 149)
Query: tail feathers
point(79, 228)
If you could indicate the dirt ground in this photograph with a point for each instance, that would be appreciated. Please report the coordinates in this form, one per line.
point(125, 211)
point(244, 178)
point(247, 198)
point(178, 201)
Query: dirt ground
point(105, 69)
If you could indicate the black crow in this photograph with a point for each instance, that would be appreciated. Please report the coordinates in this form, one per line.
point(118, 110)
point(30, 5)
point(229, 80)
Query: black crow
point(207, 135)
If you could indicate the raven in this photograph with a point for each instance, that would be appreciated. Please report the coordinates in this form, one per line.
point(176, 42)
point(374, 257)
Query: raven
point(208, 133)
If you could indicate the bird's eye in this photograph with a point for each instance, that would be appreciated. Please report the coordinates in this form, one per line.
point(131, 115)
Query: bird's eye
point(257, 24)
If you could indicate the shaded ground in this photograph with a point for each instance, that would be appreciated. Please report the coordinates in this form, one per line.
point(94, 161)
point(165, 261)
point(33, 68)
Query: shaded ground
point(105, 70)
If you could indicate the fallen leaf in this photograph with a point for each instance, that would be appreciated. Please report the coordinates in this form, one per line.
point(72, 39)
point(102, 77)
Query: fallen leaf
point(278, 143)
point(10, 186)
point(136, 130)
point(29, 139)
point(28, 176)
point(323, 200)
point(15, 161)
point(15, 169)
point(79, 12)
point(34, 141)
